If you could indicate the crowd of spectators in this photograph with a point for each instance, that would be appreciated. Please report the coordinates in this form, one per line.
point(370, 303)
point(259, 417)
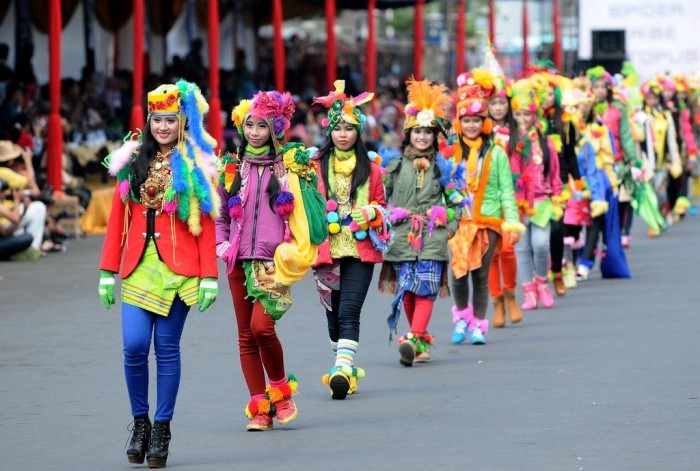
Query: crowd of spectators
point(95, 113)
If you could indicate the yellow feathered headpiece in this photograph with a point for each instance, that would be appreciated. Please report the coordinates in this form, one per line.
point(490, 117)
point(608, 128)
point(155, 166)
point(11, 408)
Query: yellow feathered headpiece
point(428, 105)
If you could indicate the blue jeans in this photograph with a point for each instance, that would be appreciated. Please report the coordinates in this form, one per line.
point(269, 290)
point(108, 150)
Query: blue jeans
point(138, 326)
point(532, 253)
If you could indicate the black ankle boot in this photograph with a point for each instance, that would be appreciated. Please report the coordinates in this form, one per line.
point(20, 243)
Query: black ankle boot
point(140, 435)
point(160, 441)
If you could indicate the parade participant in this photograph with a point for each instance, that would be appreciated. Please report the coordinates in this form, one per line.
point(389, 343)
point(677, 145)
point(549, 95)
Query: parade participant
point(503, 265)
point(596, 160)
point(353, 188)
point(266, 233)
point(536, 166)
point(415, 266)
point(612, 114)
point(161, 232)
point(482, 178)
point(660, 148)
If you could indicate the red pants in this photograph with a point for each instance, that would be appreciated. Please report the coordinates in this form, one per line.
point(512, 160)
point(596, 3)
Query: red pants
point(418, 312)
point(259, 347)
point(503, 263)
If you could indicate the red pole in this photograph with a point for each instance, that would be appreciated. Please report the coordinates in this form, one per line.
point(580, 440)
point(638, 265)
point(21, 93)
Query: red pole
point(214, 125)
point(137, 119)
point(526, 50)
point(330, 44)
point(418, 40)
point(371, 48)
point(278, 45)
point(461, 66)
point(492, 21)
point(55, 138)
point(557, 49)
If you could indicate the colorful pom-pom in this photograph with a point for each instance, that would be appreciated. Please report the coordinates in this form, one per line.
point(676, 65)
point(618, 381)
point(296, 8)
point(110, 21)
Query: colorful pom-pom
point(334, 228)
point(331, 205)
point(361, 235)
point(354, 226)
point(332, 217)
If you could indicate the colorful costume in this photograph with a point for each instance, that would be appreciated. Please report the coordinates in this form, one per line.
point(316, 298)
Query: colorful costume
point(423, 216)
point(535, 164)
point(267, 241)
point(359, 232)
point(482, 179)
point(161, 232)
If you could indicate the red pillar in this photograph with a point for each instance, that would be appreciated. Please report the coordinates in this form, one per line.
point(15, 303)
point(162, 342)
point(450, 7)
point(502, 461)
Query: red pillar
point(55, 139)
point(526, 50)
point(492, 21)
point(137, 118)
point(330, 44)
point(278, 46)
point(371, 48)
point(459, 50)
point(214, 125)
point(557, 49)
point(418, 40)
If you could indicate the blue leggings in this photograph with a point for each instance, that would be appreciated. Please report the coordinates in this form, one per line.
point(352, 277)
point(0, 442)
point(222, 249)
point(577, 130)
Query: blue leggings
point(138, 326)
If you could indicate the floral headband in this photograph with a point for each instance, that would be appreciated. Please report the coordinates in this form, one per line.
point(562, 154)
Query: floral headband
point(273, 107)
point(342, 108)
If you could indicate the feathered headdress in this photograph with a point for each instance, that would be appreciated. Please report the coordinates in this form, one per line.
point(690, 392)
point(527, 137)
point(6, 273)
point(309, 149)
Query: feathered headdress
point(529, 93)
point(428, 105)
point(342, 108)
point(501, 83)
point(273, 107)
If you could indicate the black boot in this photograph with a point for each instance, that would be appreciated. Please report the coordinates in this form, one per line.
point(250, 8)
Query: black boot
point(160, 441)
point(140, 435)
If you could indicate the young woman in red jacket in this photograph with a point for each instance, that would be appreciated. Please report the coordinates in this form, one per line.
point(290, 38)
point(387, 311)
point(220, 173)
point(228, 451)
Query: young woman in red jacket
point(161, 233)
point(353, 188)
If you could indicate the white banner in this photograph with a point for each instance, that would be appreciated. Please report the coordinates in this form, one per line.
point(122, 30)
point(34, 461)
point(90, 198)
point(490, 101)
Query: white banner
point(661, 36)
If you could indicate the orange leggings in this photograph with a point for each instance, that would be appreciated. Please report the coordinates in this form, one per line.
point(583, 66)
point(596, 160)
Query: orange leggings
point(503, 263)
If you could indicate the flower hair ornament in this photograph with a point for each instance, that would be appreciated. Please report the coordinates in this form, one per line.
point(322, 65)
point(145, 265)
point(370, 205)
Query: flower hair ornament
point(428, 105)
point(273, 107)
point(343, 108)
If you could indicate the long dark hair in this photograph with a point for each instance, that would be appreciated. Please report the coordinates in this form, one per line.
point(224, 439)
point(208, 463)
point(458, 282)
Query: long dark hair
point(362, 167)
point(273, 188)
point(138, 167)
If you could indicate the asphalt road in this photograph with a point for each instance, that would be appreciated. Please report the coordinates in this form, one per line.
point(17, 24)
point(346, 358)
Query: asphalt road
point(607, 380)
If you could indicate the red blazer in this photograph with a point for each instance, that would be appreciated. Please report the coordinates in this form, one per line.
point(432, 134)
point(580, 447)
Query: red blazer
point(364, 247)
point(184, 253)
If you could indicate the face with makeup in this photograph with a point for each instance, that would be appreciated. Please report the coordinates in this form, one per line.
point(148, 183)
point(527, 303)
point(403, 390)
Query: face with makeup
point(471, 126)
point(524, 118)
point(344, 136)
point(652, 100)
point(498, 109)
point(551, 98)
point(422, 138)
point(256, 131)
point(165, 129)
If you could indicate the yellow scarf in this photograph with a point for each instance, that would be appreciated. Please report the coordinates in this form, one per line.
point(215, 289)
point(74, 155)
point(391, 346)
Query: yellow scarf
point(473, 162)
point(344, 161)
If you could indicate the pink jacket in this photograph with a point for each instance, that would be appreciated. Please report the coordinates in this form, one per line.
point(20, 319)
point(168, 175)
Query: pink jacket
point(534, 185)
point(364, 247)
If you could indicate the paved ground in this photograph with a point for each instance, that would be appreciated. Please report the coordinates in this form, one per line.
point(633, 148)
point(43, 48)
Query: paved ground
point(607, 380)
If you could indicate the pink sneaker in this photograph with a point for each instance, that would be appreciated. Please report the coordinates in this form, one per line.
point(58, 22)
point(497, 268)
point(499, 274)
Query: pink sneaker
point(530, 294)
point(544, 293)
point(286, 411)
point(260, 423)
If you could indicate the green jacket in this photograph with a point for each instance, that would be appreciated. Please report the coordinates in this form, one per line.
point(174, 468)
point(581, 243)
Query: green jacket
point(495, 202)
point(402, 192)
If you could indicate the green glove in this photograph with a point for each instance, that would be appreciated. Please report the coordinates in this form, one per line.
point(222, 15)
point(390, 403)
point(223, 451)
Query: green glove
point(358, 216)
point(208, 290)
point(106, 288)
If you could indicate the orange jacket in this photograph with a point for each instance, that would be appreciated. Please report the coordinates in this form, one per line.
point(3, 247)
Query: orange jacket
point(184, 253)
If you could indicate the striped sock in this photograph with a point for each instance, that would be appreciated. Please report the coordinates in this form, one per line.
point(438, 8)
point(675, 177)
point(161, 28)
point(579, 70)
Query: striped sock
point(345, 355)
point(334, 347)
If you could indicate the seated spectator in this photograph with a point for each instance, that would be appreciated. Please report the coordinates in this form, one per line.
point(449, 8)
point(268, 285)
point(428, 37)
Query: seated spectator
point(15, 247)
point(27, 216)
